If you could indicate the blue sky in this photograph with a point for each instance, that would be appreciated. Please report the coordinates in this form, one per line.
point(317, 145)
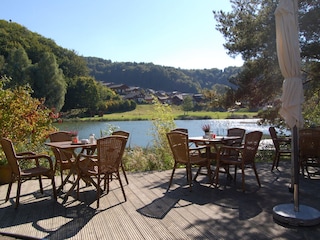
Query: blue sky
point(177, 33)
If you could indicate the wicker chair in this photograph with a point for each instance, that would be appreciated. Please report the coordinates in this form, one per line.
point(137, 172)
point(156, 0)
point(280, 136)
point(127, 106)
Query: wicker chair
point(238, 132)
point(125, 134)
point(196, 148)
point(21, 174)
point(232, 132)
point(183, 155)
point(64, 160)
point(309, 149)
point(246, 156)
point(106, 163)
point(281, 145)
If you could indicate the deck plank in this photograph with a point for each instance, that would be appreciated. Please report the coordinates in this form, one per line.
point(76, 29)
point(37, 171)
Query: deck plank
point(152, 213)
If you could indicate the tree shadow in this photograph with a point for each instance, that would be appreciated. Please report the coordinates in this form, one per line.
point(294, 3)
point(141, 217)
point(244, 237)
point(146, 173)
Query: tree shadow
point(247, 204)
point(77, 213)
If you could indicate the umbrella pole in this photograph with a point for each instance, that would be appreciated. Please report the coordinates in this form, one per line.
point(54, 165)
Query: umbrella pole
point(295, 168)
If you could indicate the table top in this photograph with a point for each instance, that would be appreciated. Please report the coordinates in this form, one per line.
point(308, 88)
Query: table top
point(69, 144)
point(216, 139)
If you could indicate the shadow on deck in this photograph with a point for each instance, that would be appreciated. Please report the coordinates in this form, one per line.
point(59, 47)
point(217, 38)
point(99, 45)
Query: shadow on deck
point(151, 213)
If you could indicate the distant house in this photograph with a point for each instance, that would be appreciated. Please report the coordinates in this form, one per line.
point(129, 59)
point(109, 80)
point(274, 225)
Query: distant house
point(119, 88)
point(198, 98)
point(134, 89)
point(164, 99)
point(138, 97)
point(148, 99)
point(177, 99)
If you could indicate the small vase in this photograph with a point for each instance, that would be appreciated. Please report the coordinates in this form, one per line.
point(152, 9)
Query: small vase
point(207, 134)
point(75, 139)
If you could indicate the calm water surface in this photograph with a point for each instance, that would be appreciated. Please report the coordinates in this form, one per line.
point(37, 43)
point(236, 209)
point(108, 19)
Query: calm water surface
point(140, 131)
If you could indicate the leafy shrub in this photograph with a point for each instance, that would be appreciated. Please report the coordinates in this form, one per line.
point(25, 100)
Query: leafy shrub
point(163, 122)
point(23, 119)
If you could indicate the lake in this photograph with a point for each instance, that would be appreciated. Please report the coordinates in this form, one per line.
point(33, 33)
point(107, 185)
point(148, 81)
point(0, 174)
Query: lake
point(140, 131)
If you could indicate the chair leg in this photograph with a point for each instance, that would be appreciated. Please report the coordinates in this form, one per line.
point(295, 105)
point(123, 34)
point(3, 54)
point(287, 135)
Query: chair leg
point(124, 173)
point(274, 161)
point(54, 191)
point(40, 184)
point(216, 174)
point(278, 159)
point(197, 173)
point(243, 182)
point(78, 184)
point(61, 176)
point(105, 181)
point(98, 191)
point(124, 195)
point(209, 173)
point(173, 170)
point(9, 190)
point(189, 174)
point(235, 173)
point(108, 181)
point(256, 173)
point(18, 193)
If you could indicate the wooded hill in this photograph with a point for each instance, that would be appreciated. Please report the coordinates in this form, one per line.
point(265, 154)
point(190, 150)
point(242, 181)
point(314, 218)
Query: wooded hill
point(145, 75)
point(149, 75)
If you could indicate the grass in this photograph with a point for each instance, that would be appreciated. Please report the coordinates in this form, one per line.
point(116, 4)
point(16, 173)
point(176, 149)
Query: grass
point(146, 112)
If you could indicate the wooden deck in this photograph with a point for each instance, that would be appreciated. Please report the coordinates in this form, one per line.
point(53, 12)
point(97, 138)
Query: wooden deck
point(151, 213)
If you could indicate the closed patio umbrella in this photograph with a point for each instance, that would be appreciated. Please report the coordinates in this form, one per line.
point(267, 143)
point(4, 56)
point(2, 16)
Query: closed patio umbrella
point(288, 52)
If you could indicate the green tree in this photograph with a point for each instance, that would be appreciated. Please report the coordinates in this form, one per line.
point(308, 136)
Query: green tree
point(17, 66)
point(71, 64)
point(2, 62)
point(249, 30)
point(83, 92)
point(228, 99)
point(49, 82)
point(187, 104)
point(211, 98)
point(309, 24)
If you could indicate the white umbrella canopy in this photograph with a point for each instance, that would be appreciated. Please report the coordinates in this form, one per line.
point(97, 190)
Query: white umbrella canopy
point(289, 61)
point(292, 98)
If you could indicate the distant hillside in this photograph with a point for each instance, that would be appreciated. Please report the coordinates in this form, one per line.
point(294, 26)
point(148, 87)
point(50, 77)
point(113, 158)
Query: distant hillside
point(14, 36)
point(148, 75)
point(145, 75)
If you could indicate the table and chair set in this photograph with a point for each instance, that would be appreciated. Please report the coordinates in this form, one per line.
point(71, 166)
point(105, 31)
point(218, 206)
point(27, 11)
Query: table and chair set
point(238, 149)
point(96, 163)
point(99, 162)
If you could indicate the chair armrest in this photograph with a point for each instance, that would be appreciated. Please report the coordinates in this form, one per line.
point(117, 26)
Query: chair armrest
point(36, 157)
point(26, 153)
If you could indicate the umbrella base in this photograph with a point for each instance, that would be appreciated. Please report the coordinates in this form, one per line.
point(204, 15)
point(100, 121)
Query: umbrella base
point(306, 216)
